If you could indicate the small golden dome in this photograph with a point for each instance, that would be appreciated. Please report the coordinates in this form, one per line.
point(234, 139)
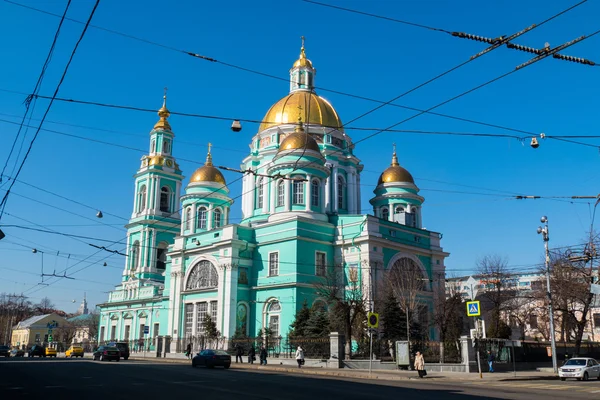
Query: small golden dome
point(395, 173)
point(208, 173)
point(163, 113)
point(315, 111)
point(302, 61)
point(299, 140)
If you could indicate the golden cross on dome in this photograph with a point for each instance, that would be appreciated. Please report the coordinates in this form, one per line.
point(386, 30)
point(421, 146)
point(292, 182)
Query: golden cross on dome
point(394, 146)
point(299, 113)
point(209, 146)
point(302, 37)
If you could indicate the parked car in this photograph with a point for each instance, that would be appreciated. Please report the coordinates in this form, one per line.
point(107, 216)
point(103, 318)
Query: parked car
point(74, 351)
point(107, 353)
point(50, 352)
point(212, 358)
point(17, 353)
point(4, 351)
point(580, 368)
point(37, 350)
point(123, 348)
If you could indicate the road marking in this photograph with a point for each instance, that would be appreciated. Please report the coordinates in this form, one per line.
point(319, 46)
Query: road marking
point(595, 391)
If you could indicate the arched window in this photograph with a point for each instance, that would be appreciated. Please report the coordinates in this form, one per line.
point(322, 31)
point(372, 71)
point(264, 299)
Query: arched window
point(260, 193)
point(203, 276)
point(217, 218)
point(280, 193)
point(153, 146)
point(341, 198)
point(242, 318)
point(314, 193)
point(399, 210)
point(201, 215)
point(273, 314)
point(188, 219)
point(142, 199)
point(165, 199)
point(385, 213)
point(298, 192)
point(135, 255)
point(166, 147)
point(406, 276)
point(161, 256)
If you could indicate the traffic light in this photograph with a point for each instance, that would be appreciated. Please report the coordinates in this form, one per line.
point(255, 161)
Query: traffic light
point(373, 320)
point(50, 339)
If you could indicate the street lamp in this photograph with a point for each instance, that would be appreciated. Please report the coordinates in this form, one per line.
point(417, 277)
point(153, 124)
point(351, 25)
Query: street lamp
point(544, 232)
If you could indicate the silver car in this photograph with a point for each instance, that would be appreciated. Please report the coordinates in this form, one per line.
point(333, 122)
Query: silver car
point(580, 368)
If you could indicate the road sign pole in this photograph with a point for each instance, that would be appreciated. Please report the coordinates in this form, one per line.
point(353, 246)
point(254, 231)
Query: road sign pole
point(370, 351)
point(478, 344)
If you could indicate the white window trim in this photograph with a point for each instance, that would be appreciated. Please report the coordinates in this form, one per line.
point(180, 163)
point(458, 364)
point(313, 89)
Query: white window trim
point(269, 263)
point(298, 196)
point(280, 200)
point(199, 219)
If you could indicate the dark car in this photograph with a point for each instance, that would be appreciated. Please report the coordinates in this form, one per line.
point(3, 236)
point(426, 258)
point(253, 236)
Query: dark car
point(103, 353)
point(123, 348)
point(212, 358)
point(4, 351)
point(17, 353)
point(37, 350)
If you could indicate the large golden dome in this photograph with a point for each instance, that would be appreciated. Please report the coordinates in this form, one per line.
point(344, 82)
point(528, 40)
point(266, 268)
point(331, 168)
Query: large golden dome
point(312, 108)
point(395, 173)
point(208, 173)
point(299, 140)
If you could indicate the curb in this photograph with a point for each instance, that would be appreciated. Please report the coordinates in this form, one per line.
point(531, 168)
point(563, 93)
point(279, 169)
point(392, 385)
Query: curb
point(344, 374)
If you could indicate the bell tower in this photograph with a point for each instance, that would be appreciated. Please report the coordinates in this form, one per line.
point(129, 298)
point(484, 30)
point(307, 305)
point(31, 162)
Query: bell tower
point(302, 74)
point(155, 219)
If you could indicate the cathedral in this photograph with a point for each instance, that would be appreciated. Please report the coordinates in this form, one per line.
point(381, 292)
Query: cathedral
point(301, 222)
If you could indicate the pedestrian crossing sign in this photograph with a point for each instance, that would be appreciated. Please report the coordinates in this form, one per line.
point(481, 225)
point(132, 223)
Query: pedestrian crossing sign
point(473, 309)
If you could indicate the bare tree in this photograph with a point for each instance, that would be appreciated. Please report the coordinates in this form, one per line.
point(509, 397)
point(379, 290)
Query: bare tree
point(13, 309)
point(341, 288)
point(448, 319)
point(493, 272)
point(45, 306)
point(407, 283)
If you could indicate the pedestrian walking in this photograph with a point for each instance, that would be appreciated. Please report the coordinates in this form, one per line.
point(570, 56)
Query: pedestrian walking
point(491, 360)
point(263, 355)
point(188, 350)
point(420, 364)
point(238, 353)
point(300, 356)
point(251, 355)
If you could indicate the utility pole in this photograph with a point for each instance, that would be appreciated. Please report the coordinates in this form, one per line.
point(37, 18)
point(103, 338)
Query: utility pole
point(544, 232)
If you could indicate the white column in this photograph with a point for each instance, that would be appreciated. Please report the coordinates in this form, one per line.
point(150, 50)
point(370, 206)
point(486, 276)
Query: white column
point(157, 194)
point(266, 195)
point(195, 320)
point(335, 189)
point(350, 192)
point(272, 195)
point(209, 217)
point(230, 303)
point(287, 193)
point(171, 311)
point(358, 205)
point(245, 213)
point(307, 192)
point(327, 194)
point(252, 195)
point(133, 331)
point(322, 202)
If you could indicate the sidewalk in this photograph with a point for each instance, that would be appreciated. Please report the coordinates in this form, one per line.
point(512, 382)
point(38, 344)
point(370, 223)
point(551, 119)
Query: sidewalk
point(375, 374)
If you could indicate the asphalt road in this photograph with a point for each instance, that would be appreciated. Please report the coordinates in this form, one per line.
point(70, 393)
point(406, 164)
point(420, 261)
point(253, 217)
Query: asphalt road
point(86, 379)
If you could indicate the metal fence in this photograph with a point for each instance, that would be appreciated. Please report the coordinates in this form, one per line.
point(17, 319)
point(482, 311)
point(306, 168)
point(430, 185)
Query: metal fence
point(385, 350)
point(284, 347)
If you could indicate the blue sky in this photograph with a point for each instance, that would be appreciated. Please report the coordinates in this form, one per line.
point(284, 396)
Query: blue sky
point(469, 183)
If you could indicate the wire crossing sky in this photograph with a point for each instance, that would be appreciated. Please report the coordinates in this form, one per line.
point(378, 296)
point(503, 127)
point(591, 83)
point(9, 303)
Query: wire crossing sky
point(471, 156)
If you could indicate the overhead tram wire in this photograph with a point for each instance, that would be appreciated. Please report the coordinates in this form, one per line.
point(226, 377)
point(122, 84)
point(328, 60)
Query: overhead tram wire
point(401, 121)
point(35, 136)
point(36, 89)
point(281, 78)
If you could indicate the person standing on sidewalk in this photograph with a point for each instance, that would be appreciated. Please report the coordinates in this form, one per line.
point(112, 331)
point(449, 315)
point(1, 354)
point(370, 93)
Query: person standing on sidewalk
point(188, 351)
point(420, 364)
point(300, 356)
point(238, 353)
point(263, 355)
point(251, 355)
point(491, 360)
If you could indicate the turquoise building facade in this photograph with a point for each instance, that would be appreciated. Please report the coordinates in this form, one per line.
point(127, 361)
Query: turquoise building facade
point(301, 220)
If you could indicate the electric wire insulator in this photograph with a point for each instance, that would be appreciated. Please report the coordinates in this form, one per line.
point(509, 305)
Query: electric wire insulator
point(475, 37)
point(524, 48)
point(574, 59)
